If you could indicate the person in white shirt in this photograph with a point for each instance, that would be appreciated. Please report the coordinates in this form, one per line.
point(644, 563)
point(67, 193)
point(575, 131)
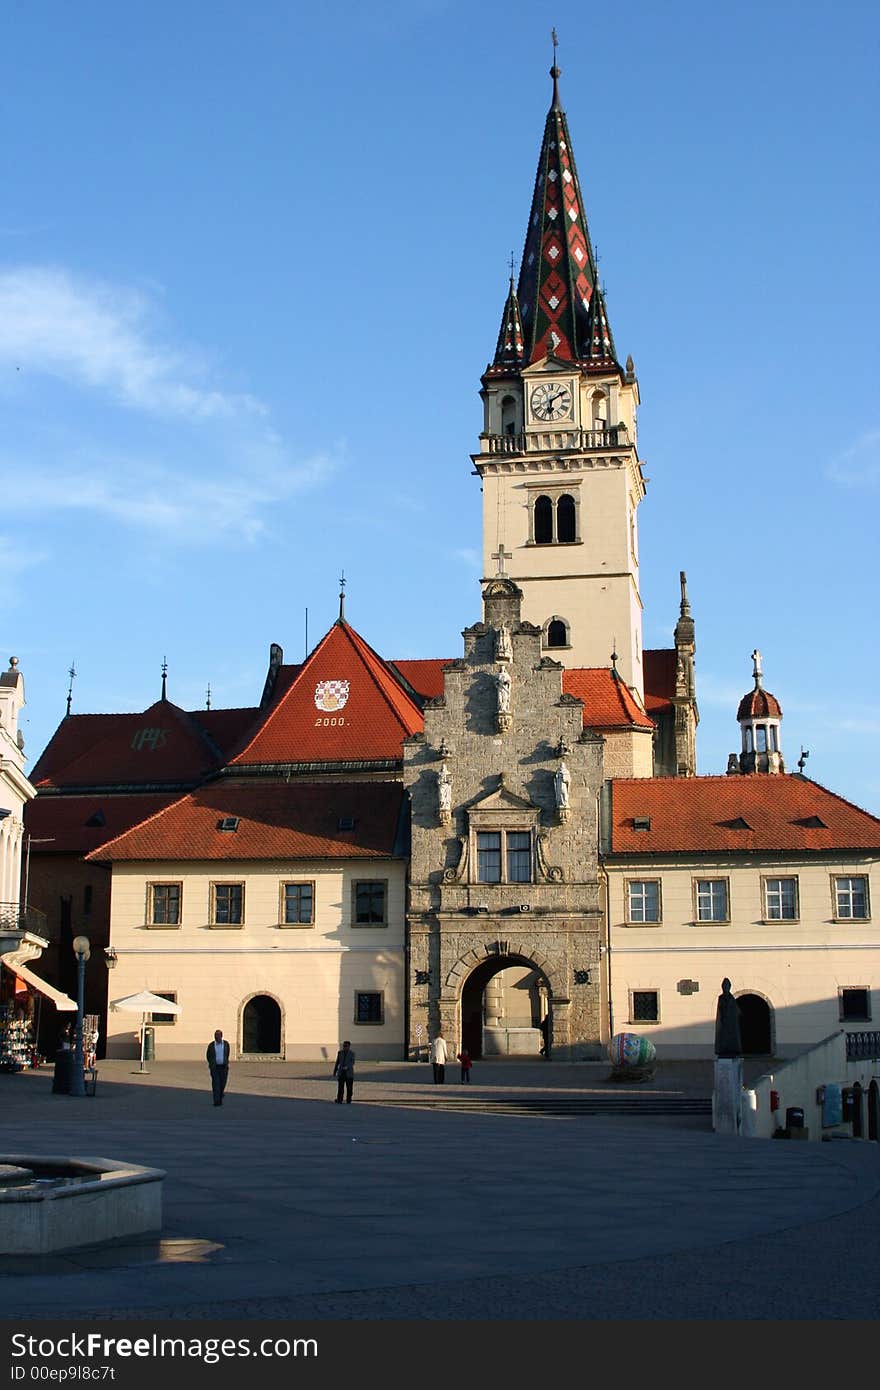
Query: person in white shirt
point(439, 1053)
point(217, 1056)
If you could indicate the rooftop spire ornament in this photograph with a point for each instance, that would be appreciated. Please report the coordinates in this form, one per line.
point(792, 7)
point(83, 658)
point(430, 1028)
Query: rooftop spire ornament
point(554, 71)
point(164, 676)
point(342, 597)
point(72, 674)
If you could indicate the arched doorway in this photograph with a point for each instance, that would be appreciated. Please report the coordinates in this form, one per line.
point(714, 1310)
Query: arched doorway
point(261, 1027)
point(503, 1003)
point(873, 1107)
point(755, 1025)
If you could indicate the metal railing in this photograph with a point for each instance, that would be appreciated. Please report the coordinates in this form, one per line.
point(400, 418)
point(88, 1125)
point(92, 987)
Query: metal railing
point(862, 1047)
point(16, 917)
point(539, 441)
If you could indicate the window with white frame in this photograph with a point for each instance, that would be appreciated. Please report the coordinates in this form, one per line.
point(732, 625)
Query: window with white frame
point(504, 856)
point(644, 1006)
point(851, 898)
point(643, 900)
point(711, 899)
point(781, 899)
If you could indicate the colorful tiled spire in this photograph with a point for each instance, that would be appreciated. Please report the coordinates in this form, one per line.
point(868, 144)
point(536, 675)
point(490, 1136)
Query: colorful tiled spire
point(558, 281)
point(509, 351)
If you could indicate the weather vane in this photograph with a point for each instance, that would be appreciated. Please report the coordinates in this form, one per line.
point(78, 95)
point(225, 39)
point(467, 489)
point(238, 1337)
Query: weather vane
point(342, 596)
point(72, 674)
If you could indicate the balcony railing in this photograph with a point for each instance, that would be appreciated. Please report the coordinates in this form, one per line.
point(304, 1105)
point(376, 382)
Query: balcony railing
point(15, 917)
point(862, 1047)
point(543, 441)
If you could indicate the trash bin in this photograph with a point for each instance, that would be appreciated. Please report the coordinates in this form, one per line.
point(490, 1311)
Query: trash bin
point(62, 1081)
point(794, 1117)
point(149, 1043)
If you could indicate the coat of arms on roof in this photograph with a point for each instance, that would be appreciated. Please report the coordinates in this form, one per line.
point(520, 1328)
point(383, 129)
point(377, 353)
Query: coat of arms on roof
point(331, 695)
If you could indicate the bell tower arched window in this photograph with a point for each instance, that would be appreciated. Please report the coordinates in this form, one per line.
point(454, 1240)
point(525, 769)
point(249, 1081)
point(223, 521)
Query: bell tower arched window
point(565, 518)
point(508, 415)
point(543, 521)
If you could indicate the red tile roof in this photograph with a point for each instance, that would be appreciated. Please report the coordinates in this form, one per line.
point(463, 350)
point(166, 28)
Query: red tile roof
point(275, 821)
point(424, 674)
point(345, 705)
point(225, 727)
point(161, 746)
point(608, 703)
point(659, 668)
point(64, 820)
point(759, 704)
point(697, 815)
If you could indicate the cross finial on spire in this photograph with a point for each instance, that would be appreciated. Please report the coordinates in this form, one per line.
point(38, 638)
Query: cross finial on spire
point(164, 675)
point(72, 674)
point(554, 71)
point(685, 605)
point(614, 671)
point(757, 670)
point(342, 597)
point(511, 263)
point(208, 696)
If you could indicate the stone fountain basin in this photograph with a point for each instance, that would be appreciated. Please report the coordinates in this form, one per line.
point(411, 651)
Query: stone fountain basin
point(76, 1201)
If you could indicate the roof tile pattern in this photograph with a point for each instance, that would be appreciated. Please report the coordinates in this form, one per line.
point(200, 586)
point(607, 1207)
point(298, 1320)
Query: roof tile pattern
point(344, 705)
point(558, 272)
point(163, 745)
point(78, 824)
point(699, 815)
point(659, 665)
point(759, 704)
point(608, 701)
point(275, 821)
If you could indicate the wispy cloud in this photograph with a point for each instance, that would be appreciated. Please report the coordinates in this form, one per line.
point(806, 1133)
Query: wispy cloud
point(15, 559)
point(220, 471)
point(859, 465)
point(101, 336)
point(469, 558)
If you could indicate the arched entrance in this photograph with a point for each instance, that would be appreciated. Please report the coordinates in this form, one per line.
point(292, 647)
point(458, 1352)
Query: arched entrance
point(873, 1106)
point(261, 1027)
point(755, 1025)
point(503, 1003)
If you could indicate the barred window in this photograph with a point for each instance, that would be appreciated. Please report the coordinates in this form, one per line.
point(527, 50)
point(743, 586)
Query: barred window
point(645, 1006)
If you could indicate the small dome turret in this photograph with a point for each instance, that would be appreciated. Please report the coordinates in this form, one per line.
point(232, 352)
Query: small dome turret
point(759, 716)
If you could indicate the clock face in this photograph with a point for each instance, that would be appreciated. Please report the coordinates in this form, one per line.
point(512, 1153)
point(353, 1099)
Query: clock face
point(551, 401)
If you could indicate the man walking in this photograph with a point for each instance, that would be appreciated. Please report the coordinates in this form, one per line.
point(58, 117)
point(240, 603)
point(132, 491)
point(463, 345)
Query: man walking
point(344, 1071)
point(217, 1057)
point(439, 1053)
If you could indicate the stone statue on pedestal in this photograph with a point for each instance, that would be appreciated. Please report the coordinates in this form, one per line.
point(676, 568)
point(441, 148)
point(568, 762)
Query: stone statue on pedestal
point(728, 1042)
point(444, 791)
point(562, 786)
point(502, 687)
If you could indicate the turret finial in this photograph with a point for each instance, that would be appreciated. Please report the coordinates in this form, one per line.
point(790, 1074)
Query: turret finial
point(72, 674)
point(208, 696)
point(164, 676)
point(757, 670)
point(685, 605)
point(342, 597)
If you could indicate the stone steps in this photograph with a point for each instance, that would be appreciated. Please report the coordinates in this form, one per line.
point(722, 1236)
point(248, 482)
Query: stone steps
point(558, 1105)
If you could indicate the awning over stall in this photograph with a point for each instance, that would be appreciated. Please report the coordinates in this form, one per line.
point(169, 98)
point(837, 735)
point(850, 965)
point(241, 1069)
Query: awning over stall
point(61, 1001)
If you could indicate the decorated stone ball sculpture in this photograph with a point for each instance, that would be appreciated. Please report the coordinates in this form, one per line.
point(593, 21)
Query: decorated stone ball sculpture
point(631, 1052)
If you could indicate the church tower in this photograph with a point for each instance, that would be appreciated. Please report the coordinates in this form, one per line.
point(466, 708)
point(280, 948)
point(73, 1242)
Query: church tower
point(558, 459)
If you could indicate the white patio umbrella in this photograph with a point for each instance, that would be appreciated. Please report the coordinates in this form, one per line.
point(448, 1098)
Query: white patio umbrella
point(145, 1003)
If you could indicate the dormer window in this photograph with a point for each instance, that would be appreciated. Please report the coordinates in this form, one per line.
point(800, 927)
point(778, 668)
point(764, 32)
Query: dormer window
point(228, 823)
point(641, 823)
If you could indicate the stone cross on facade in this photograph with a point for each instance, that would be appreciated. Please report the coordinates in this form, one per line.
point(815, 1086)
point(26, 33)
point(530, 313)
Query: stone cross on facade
point(501, 555)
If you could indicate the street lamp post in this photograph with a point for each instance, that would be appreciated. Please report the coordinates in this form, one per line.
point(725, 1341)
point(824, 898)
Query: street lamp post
point(81, 951)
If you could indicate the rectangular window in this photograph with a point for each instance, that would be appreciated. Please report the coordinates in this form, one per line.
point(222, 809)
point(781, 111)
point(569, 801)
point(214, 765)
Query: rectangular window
point(711, 899)
point(489, 856)
point(855, 1004)
point(519, 856)
point(164, 904)
point(370, 903)
point(368, 1006)
point(644, 900)
point(298, 904)
point(228, 904)
point(851, 898)
point(165, 1019)
point(645, 1006)
point(781, 899)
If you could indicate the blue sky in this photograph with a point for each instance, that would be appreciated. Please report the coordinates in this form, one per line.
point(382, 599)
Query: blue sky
point(252, 265)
